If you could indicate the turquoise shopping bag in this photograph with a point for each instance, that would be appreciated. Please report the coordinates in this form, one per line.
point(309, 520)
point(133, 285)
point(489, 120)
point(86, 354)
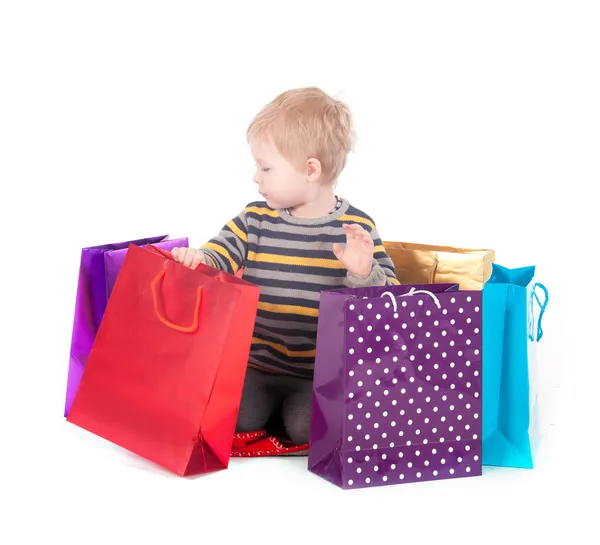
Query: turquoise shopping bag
point(511, 329)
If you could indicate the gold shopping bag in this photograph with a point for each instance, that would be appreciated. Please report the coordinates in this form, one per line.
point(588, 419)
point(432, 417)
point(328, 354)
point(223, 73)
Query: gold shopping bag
point(431, 264)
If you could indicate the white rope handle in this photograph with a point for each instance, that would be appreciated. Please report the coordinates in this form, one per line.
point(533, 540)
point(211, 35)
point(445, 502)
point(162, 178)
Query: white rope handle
point(394, 302)
point(413, 291)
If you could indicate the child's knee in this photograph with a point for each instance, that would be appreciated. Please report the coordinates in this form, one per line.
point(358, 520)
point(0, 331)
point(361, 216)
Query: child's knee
point(297, 426)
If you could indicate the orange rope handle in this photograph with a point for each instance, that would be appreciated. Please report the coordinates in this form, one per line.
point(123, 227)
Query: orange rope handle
point(168, 323)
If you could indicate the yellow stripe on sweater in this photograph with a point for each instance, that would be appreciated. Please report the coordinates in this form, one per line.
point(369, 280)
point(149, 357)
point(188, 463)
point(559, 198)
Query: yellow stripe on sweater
point(346, 218)
point(298, 261)
point(288, 309)
point(263, 211)
point(222, 251)
point(284, 350)
point(238, 232)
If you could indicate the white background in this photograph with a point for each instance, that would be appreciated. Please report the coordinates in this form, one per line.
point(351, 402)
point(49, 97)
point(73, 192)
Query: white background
point(478, 126)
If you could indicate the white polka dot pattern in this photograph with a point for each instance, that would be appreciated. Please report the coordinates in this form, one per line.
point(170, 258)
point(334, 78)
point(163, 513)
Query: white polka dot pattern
point(413, 389)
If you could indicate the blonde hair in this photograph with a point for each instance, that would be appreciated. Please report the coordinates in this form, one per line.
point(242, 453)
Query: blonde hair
point(307, 123)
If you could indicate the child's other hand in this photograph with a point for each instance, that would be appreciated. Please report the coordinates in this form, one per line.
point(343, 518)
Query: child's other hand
point(190, 257)
point(357, 257)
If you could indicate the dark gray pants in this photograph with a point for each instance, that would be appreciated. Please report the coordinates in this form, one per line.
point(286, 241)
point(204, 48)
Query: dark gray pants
point(266, 395)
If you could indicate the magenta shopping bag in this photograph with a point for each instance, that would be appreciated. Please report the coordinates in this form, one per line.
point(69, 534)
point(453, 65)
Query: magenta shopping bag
point(98, 270)
point(397, 385)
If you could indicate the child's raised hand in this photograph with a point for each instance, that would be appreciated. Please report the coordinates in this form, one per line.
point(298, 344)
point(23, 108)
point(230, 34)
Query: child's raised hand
point(190, 257)
point(357, 257)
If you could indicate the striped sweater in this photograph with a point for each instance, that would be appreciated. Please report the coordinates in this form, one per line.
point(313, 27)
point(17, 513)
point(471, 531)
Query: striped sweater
point(291, 260)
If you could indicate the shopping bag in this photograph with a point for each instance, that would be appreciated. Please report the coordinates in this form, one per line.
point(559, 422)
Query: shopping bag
point(164, 378)
point(431, 264)
point(98, 270)
point(513, 304)
point(397, 385)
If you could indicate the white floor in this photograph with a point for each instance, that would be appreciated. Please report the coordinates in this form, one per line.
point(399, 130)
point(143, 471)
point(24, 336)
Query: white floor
point(80, 489)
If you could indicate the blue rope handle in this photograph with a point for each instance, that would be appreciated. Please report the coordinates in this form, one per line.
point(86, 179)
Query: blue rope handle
point(540, 331)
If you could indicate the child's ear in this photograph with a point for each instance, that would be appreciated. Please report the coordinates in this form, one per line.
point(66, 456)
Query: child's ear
point(313, 170)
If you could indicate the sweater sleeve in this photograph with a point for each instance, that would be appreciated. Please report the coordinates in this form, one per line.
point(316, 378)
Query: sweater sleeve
point(229, 249)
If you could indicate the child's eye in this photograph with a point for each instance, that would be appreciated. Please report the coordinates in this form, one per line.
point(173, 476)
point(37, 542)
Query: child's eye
point(265, 169)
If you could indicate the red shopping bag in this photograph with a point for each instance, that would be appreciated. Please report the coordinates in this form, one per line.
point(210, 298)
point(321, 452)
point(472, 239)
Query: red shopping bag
point(165, 375)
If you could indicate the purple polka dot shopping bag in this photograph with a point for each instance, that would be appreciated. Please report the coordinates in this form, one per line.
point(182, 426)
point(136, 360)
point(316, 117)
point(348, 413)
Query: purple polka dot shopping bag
point(397, 385)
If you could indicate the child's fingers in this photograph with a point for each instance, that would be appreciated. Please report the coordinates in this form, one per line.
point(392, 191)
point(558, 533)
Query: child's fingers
point(175, 252)
point(357, 233)
point(337, 250)
point(357, 228)
point(363, 235)
point(360, 232)
point(189, 257)
point(197, 260)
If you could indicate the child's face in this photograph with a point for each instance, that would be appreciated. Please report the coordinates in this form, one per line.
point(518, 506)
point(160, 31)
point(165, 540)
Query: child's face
point(280, 183)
